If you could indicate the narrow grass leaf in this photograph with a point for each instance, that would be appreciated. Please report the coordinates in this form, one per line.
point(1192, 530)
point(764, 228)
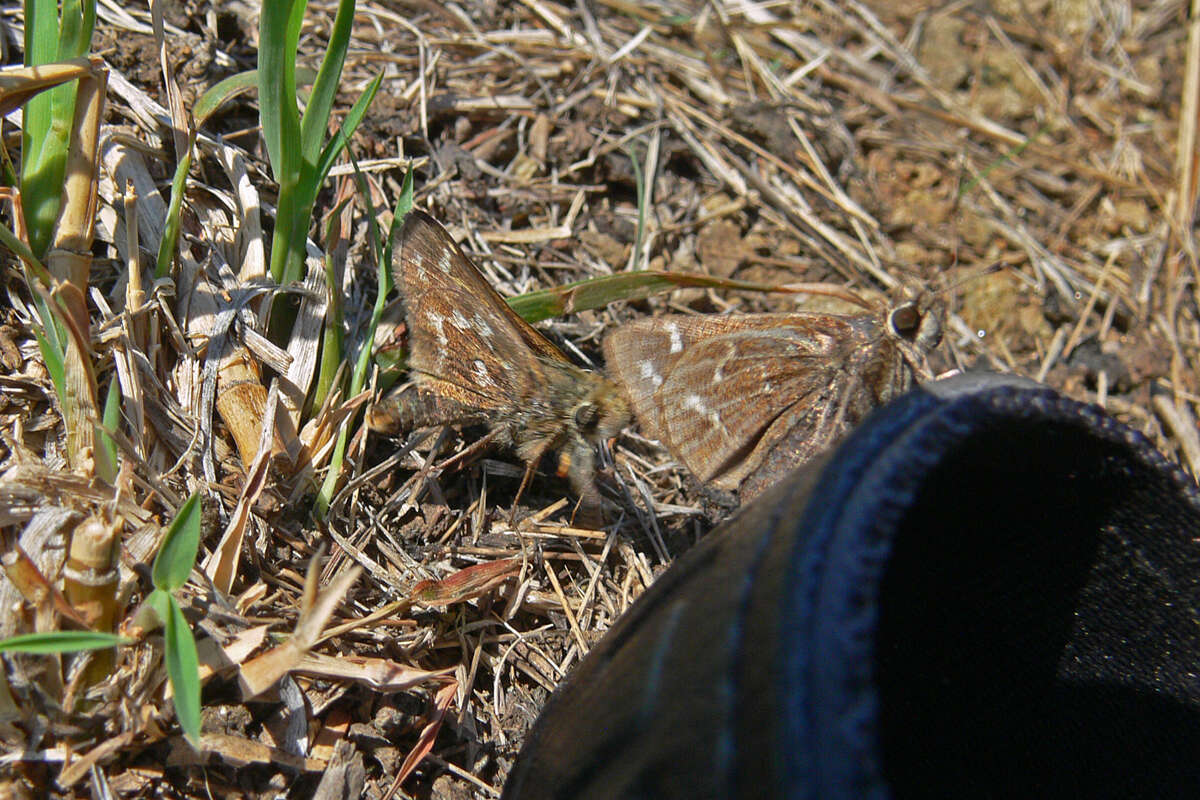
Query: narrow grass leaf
point(334, 146)
point(320, 102)
point(361, 364)
point(77, 21)
point(640, 183)
point(175, 558)
point(170, 238)
point(158, 601)
point(52, 642)
point(46, 118)
point(596, 292)
point(53, 358)
point(221, 93)
point(183, 669)
point(403, 206)
point(225, 90)
point(392, 360)
point(279, 35)
point(106, 453)
point(29, 261)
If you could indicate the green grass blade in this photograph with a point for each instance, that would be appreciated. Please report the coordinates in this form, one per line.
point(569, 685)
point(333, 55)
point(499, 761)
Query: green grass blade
point(51, 338)
point(175, 558)
point(53, 642)
point(221, 93)
point(43, 164)
point(225, 90)
point(332, 340)
point(106, 451)
point(640, 183)
point(52, 342)
point(77, 21)
point(54, 361)
point(170, 238)
point(403, 206)
point(183, 669)
point(384, 279)
point(41, 31)
point(391, 361)
point(338, 143)
point(359, 377)
point(597, 292)
point(320, 102)
point(47, 117)
point(384, 273)
point(279, 36)
point(28, 260)
point(158, 601)
point(281, 242)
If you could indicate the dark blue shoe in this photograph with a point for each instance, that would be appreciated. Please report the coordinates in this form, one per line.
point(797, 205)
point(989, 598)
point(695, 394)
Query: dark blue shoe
point(988, 590)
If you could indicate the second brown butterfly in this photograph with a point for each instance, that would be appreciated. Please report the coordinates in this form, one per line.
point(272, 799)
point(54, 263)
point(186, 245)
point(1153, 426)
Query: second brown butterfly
point(741, 400)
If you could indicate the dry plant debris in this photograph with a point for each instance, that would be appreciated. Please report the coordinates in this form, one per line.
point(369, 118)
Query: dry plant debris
point(866, 143)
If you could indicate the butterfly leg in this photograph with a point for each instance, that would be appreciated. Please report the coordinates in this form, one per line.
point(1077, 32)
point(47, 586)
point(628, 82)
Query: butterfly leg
point(530, 466)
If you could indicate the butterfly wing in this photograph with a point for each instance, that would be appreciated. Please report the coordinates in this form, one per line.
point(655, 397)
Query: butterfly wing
point(641, 354)
point(727, 395)
point(728, 392)
point(465, 342)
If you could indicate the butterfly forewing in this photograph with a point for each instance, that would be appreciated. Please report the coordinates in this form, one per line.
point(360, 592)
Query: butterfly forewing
point(754, 377)
point(464, 340)
point(472, 352)
point(640, 354)
point(643, 354)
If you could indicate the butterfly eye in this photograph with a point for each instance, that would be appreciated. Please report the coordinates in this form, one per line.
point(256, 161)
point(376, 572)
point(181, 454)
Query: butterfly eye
point(906, 320)
point(586, 415)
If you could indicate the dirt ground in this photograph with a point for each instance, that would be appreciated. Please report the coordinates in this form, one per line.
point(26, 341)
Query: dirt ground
point(875, 145)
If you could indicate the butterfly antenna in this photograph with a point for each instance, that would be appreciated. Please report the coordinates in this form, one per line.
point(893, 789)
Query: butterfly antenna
point(975, 273)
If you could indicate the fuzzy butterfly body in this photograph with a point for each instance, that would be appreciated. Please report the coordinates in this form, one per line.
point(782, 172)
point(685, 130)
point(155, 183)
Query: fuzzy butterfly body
point(741, 400)
point(474, 358)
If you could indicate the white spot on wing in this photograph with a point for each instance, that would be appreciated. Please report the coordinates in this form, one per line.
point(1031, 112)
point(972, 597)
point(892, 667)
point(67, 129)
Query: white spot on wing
point(444, 261)
point(459, 321)
point(435, 322)
point(695, 402)
point(481, 372)
point(481, 326)
point(649, 373)
point(676, 338)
